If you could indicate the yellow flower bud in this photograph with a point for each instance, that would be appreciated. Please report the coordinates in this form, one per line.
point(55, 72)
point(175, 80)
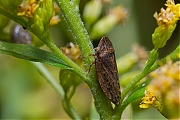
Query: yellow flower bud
point(45, 12)
point(37, 25)
point(38, 13)
point(161, 35)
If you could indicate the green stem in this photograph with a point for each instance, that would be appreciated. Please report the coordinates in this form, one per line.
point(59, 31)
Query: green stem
point(73, 19)
point(48, 41)
point(49, 78)
point(149, 67)
point(102, 104)
point(152, 58)
point(173, 56)
point(69, 109)
point(76, 3)
point(17, 19)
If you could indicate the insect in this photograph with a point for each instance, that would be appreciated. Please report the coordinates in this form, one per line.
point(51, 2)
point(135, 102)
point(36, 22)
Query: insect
point(20, 35)
point(106, 70)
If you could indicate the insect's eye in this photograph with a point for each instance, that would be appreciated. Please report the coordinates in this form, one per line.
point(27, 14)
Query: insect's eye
point(96, 49)
point(20, 35)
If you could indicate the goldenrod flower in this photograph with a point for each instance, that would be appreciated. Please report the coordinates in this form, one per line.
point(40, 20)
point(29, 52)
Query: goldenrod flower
point(38, 14)
point(72, 51)
point(28, 7)
point(150, 99)
point(163, 91)
point(170, 15)
point(166, 20)
point(174, 7)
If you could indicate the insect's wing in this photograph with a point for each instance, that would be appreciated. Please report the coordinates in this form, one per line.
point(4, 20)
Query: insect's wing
point(106, 70)
point(108, 77)
point(112, 79)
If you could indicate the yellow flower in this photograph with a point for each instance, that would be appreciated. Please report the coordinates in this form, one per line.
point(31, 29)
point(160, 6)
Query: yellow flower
point(28, 7)
point(150, 99)
point(166, 20)
point(163, 90)
point(72, 51)
point(174, 7)
point(170, 15)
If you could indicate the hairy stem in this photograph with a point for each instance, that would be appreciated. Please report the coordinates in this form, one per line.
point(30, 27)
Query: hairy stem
point(73, 19)
point(75, 68)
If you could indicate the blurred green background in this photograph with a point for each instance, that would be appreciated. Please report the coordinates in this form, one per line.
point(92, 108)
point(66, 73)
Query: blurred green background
point(24, 94)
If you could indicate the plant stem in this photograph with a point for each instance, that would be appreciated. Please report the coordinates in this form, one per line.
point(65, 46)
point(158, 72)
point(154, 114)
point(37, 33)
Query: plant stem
point(69, 109)
point(172, 56)
point(75, 68)
point(73, 19)
point(21, 21)
point(47, 40)
point(49, 78)
point(152, 58)
point(76, 3)
point(149, 67)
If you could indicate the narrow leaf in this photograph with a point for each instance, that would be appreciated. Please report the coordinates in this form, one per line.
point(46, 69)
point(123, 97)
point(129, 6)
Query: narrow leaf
point(137, 93)
point(32, 53)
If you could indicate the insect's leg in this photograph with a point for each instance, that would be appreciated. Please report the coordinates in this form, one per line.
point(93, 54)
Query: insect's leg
point(90, 64)
point(90, 68)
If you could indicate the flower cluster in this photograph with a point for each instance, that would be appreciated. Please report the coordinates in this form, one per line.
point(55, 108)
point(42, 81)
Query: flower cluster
point(150, 99)
point(38, 13)
point(163, 90)
point(170, 15)
point(166, 20)
point(27, 8)
point(72, 51)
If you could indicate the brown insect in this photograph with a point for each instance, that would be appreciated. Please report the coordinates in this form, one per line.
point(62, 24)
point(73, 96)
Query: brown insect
point(106, 70)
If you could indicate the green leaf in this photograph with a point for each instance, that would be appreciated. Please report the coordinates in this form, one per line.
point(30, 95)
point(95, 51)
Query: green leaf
point(137, 93)
point(31, 53)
